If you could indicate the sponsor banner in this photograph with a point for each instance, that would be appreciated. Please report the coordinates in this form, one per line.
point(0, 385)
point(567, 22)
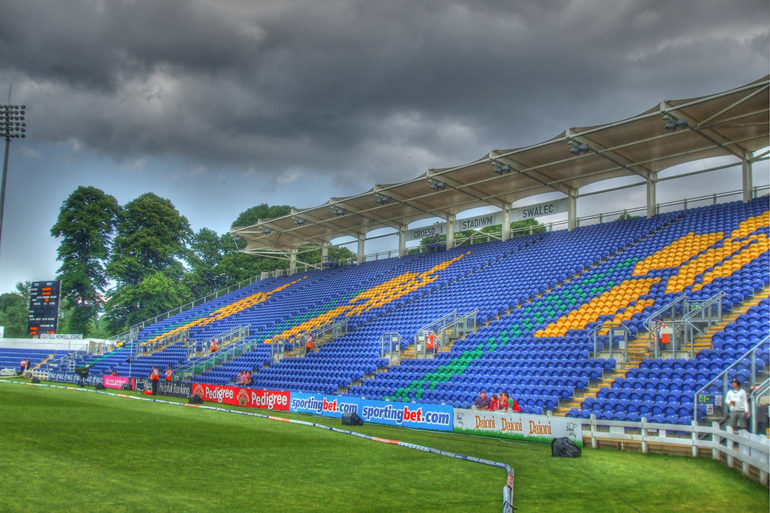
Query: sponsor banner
point(63, 377)
point(414, 415)
point(325, 405)
point(141, 384)
point(174, 388)
point(250, 397)
point(539, 210)
point(518, 425)
point(114, 381)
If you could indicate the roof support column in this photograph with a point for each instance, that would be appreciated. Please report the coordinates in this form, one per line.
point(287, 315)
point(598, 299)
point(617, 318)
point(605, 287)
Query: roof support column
point(748, 179)
point(572, 210)
point(652, 202)
point(324, 252)
point(360, 257)
point(402, 241)
point(293, 260)
point(450, 232)
point(506, 223)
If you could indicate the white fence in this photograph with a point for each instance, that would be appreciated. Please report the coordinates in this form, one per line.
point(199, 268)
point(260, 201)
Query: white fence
point(739, 449)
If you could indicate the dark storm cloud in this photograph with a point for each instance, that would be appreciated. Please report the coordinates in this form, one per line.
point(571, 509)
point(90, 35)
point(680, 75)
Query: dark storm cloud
point(363, 91)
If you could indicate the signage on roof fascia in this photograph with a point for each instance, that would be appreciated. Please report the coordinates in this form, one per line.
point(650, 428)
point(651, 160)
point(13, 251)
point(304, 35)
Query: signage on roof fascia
point(460, 225)
point(539, 210)
point(478, 222)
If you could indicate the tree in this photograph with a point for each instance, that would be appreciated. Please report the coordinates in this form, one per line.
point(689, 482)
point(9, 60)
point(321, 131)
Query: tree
point(150, 242)
point(156, 293)
point(262, 211)
point(151, 236)
point(14, 311)
point(206, 252)
point(85, 225)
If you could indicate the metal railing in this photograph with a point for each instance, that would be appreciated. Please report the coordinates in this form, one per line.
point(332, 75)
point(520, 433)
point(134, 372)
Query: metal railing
point(617, 339)
point(164, 341)
point(724, 376)
point(330, 332)
point(235, 344)
point(441, 333)
point(390, 345)
point(68, 361)
point(755, 403)
point(701, 316)
point(669, 315)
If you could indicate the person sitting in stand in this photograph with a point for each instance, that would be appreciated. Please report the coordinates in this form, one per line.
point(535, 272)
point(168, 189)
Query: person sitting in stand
point(247, 379)
point(239, 379)
point(482, 401)
point(213, 346)
point(512, 404)
point(494, 404)
point(114, 372)
point(502, 401)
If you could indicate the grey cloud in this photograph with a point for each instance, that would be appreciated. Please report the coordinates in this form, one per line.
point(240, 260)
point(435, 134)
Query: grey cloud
point(364, 91)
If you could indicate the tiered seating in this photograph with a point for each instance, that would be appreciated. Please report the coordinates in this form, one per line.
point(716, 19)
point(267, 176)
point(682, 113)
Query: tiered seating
point(539, 296)
point(625, 288)
point(10, 358)
point(662, 390)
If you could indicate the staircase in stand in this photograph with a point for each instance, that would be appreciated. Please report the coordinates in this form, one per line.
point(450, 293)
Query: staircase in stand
point(638, 350)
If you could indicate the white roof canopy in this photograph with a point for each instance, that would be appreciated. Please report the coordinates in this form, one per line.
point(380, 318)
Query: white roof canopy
point(732, 123)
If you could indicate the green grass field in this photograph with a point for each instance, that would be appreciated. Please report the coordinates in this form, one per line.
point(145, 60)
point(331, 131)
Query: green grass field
point(64, 450)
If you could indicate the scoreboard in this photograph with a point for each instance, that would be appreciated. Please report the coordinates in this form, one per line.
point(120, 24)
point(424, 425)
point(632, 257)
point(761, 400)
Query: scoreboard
point(44, 307)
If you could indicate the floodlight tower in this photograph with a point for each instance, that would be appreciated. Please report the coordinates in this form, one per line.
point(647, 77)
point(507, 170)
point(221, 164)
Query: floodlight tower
point(12, 126)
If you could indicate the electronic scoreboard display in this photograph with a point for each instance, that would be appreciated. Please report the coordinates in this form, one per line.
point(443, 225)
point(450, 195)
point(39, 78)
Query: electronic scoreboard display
point(44, 307)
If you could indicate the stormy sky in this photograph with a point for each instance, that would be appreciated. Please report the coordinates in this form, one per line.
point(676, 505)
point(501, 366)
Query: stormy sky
point(220, 105)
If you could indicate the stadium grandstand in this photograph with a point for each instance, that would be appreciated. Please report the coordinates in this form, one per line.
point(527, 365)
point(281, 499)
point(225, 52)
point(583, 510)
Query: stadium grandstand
point(623, 320)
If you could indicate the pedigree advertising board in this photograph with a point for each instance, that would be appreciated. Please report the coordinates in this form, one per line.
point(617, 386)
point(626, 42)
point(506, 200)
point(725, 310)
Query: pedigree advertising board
point(114, 381)
point(413, 415)
point(250, 397)
point(517, 425)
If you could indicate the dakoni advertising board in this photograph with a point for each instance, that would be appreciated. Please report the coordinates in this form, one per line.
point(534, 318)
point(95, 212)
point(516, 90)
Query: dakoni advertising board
point(517, 425)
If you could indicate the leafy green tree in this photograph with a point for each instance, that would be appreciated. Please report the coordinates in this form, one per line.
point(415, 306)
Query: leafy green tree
point(151, 236)
point(150, 244)
point(206, 252)
point(235, 266)
point(156, 293)
point(14, 311)
point(262, 211)
point(85, 226)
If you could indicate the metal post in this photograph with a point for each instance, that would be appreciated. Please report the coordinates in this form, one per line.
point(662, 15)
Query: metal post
point(11, 126)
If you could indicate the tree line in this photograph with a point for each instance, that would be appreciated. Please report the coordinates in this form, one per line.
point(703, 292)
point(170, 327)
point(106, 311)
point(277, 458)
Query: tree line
point(124, 264)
